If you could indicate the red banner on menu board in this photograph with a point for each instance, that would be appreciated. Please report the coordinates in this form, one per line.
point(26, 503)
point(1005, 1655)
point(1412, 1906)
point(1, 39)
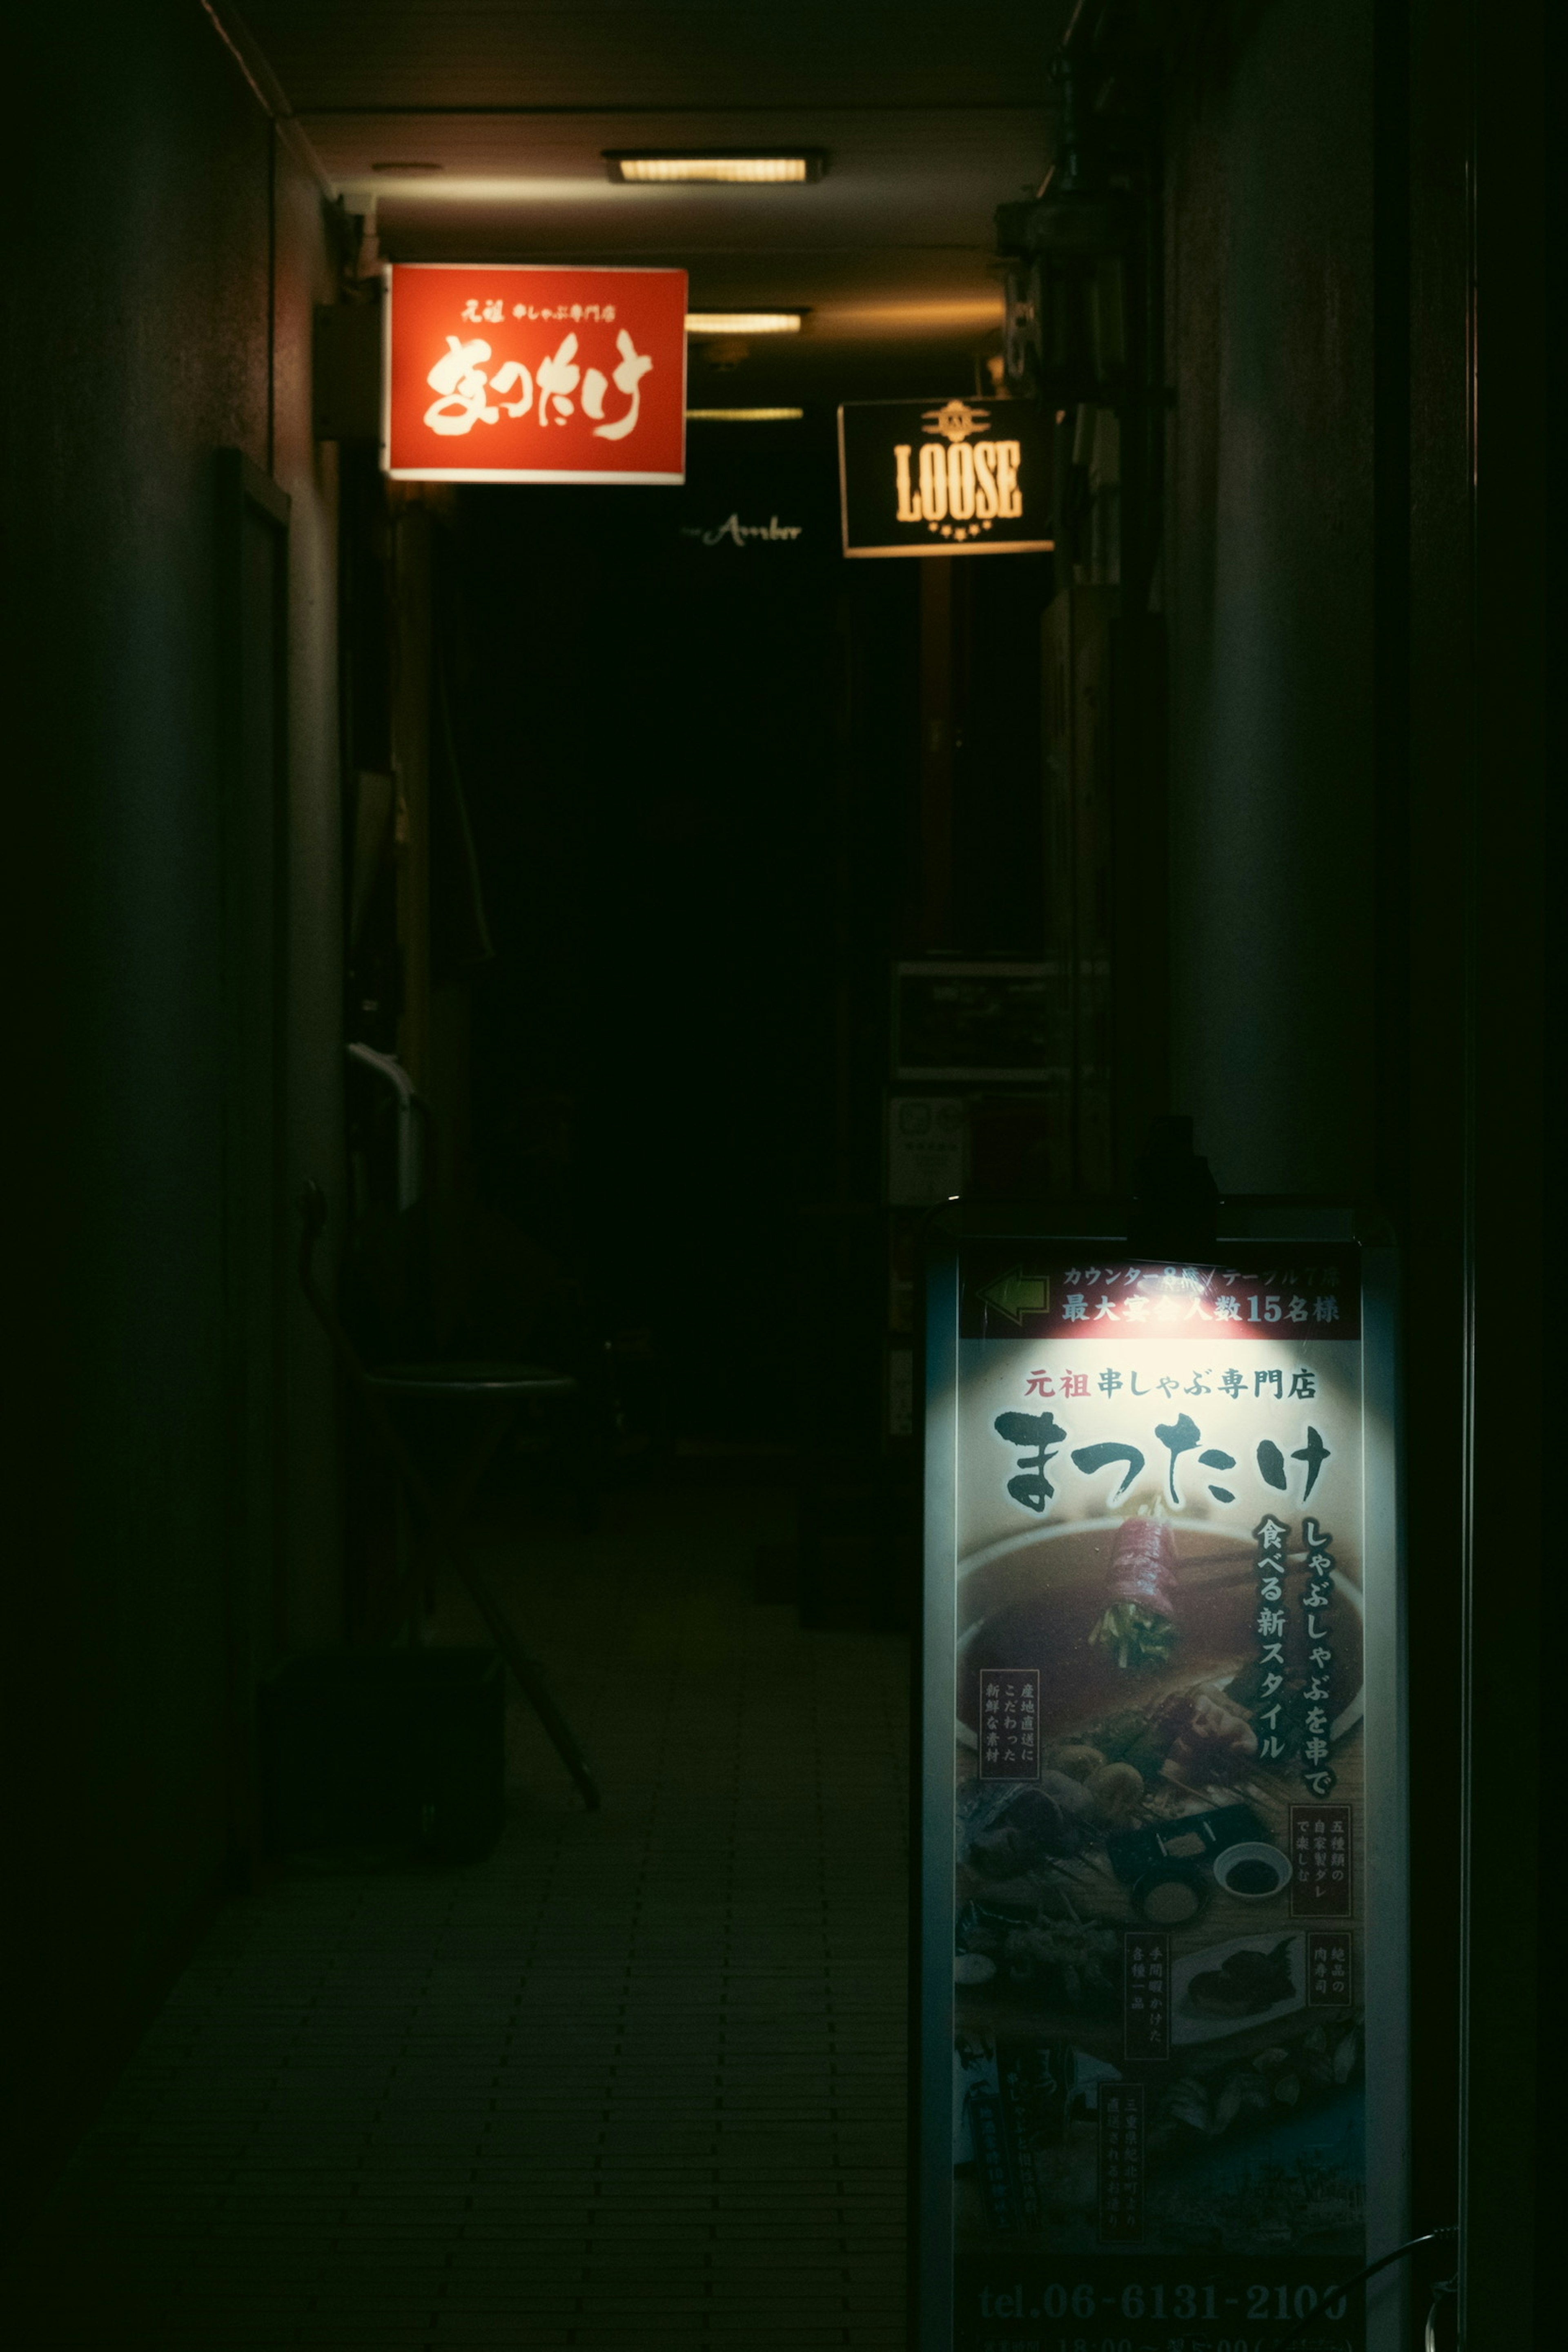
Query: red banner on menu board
point(505, 372)
point(1166, 1498)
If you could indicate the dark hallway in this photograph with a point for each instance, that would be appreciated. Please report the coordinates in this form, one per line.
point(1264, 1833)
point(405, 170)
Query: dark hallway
point(637, 2079)
point(752, 748)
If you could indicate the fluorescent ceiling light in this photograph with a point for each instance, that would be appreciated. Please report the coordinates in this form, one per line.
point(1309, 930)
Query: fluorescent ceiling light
point(767, 171)
point(490, 188)
point(744, 415)
point(742, 322)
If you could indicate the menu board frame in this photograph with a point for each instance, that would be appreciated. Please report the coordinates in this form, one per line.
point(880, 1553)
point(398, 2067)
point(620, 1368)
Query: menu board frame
point(1111, 2283)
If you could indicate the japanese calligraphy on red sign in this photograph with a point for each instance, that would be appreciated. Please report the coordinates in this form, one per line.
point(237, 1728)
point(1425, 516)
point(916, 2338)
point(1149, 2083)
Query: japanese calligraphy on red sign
point(497, 373)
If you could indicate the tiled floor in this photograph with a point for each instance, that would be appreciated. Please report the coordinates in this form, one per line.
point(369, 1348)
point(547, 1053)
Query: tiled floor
point(638, 2079)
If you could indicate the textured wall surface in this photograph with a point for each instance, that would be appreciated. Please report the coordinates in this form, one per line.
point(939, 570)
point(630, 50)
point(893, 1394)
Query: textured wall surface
point(158, 293)
point(1268, 585)
point(307, 469)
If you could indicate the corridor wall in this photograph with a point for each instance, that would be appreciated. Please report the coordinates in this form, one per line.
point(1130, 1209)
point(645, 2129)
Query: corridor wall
point(166, 252)
point(1268, 582)
point(1361, 531)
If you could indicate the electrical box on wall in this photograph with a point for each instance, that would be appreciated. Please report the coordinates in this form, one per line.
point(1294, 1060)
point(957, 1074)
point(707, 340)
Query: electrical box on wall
point(345, 372)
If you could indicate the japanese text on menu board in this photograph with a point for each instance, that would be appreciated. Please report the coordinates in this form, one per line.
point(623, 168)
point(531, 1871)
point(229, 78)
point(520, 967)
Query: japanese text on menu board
point(1159, 2033)
point(531, 374)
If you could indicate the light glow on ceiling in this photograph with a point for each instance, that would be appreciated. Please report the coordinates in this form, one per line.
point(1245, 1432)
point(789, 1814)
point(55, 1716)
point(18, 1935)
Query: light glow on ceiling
point(742, 322)
point(755, 171)
point(953, 315)
point(488, 188)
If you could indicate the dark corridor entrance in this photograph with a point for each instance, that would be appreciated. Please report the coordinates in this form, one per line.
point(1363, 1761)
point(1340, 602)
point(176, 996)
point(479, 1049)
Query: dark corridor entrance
point(680, 831)
point(645, 708)
point(619, 820)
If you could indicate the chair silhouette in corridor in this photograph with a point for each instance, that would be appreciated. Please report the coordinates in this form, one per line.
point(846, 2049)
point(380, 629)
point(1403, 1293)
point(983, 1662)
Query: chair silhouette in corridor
point(492, 1398)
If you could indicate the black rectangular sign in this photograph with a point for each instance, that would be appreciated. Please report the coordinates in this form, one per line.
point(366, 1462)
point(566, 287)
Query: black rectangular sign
point(944, 477)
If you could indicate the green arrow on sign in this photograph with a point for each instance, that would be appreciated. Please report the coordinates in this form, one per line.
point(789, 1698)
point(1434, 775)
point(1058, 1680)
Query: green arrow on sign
point(1017, 1293)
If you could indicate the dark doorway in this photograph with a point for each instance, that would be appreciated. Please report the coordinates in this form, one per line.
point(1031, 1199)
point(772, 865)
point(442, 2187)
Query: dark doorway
point(642, 691)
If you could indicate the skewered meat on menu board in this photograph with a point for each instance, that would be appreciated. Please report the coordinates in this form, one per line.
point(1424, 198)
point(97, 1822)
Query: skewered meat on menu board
point(1206, 1739)
point(1140, 1625)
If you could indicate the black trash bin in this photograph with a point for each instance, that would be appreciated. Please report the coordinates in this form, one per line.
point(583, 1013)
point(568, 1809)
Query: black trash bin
point(400, 1752)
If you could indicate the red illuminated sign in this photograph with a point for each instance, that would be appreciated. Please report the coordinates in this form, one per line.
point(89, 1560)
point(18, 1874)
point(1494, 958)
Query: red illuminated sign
point(500, 373)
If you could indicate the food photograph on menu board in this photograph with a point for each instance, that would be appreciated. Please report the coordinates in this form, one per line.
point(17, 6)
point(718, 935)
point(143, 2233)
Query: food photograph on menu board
point(1159, 2007)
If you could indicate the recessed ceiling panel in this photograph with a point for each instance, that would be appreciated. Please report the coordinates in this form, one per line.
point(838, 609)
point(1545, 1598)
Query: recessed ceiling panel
point(480, 129)
point(554, 54)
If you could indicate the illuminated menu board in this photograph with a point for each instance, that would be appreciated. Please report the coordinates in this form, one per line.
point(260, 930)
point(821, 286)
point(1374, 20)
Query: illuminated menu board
point(1161, 2065)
